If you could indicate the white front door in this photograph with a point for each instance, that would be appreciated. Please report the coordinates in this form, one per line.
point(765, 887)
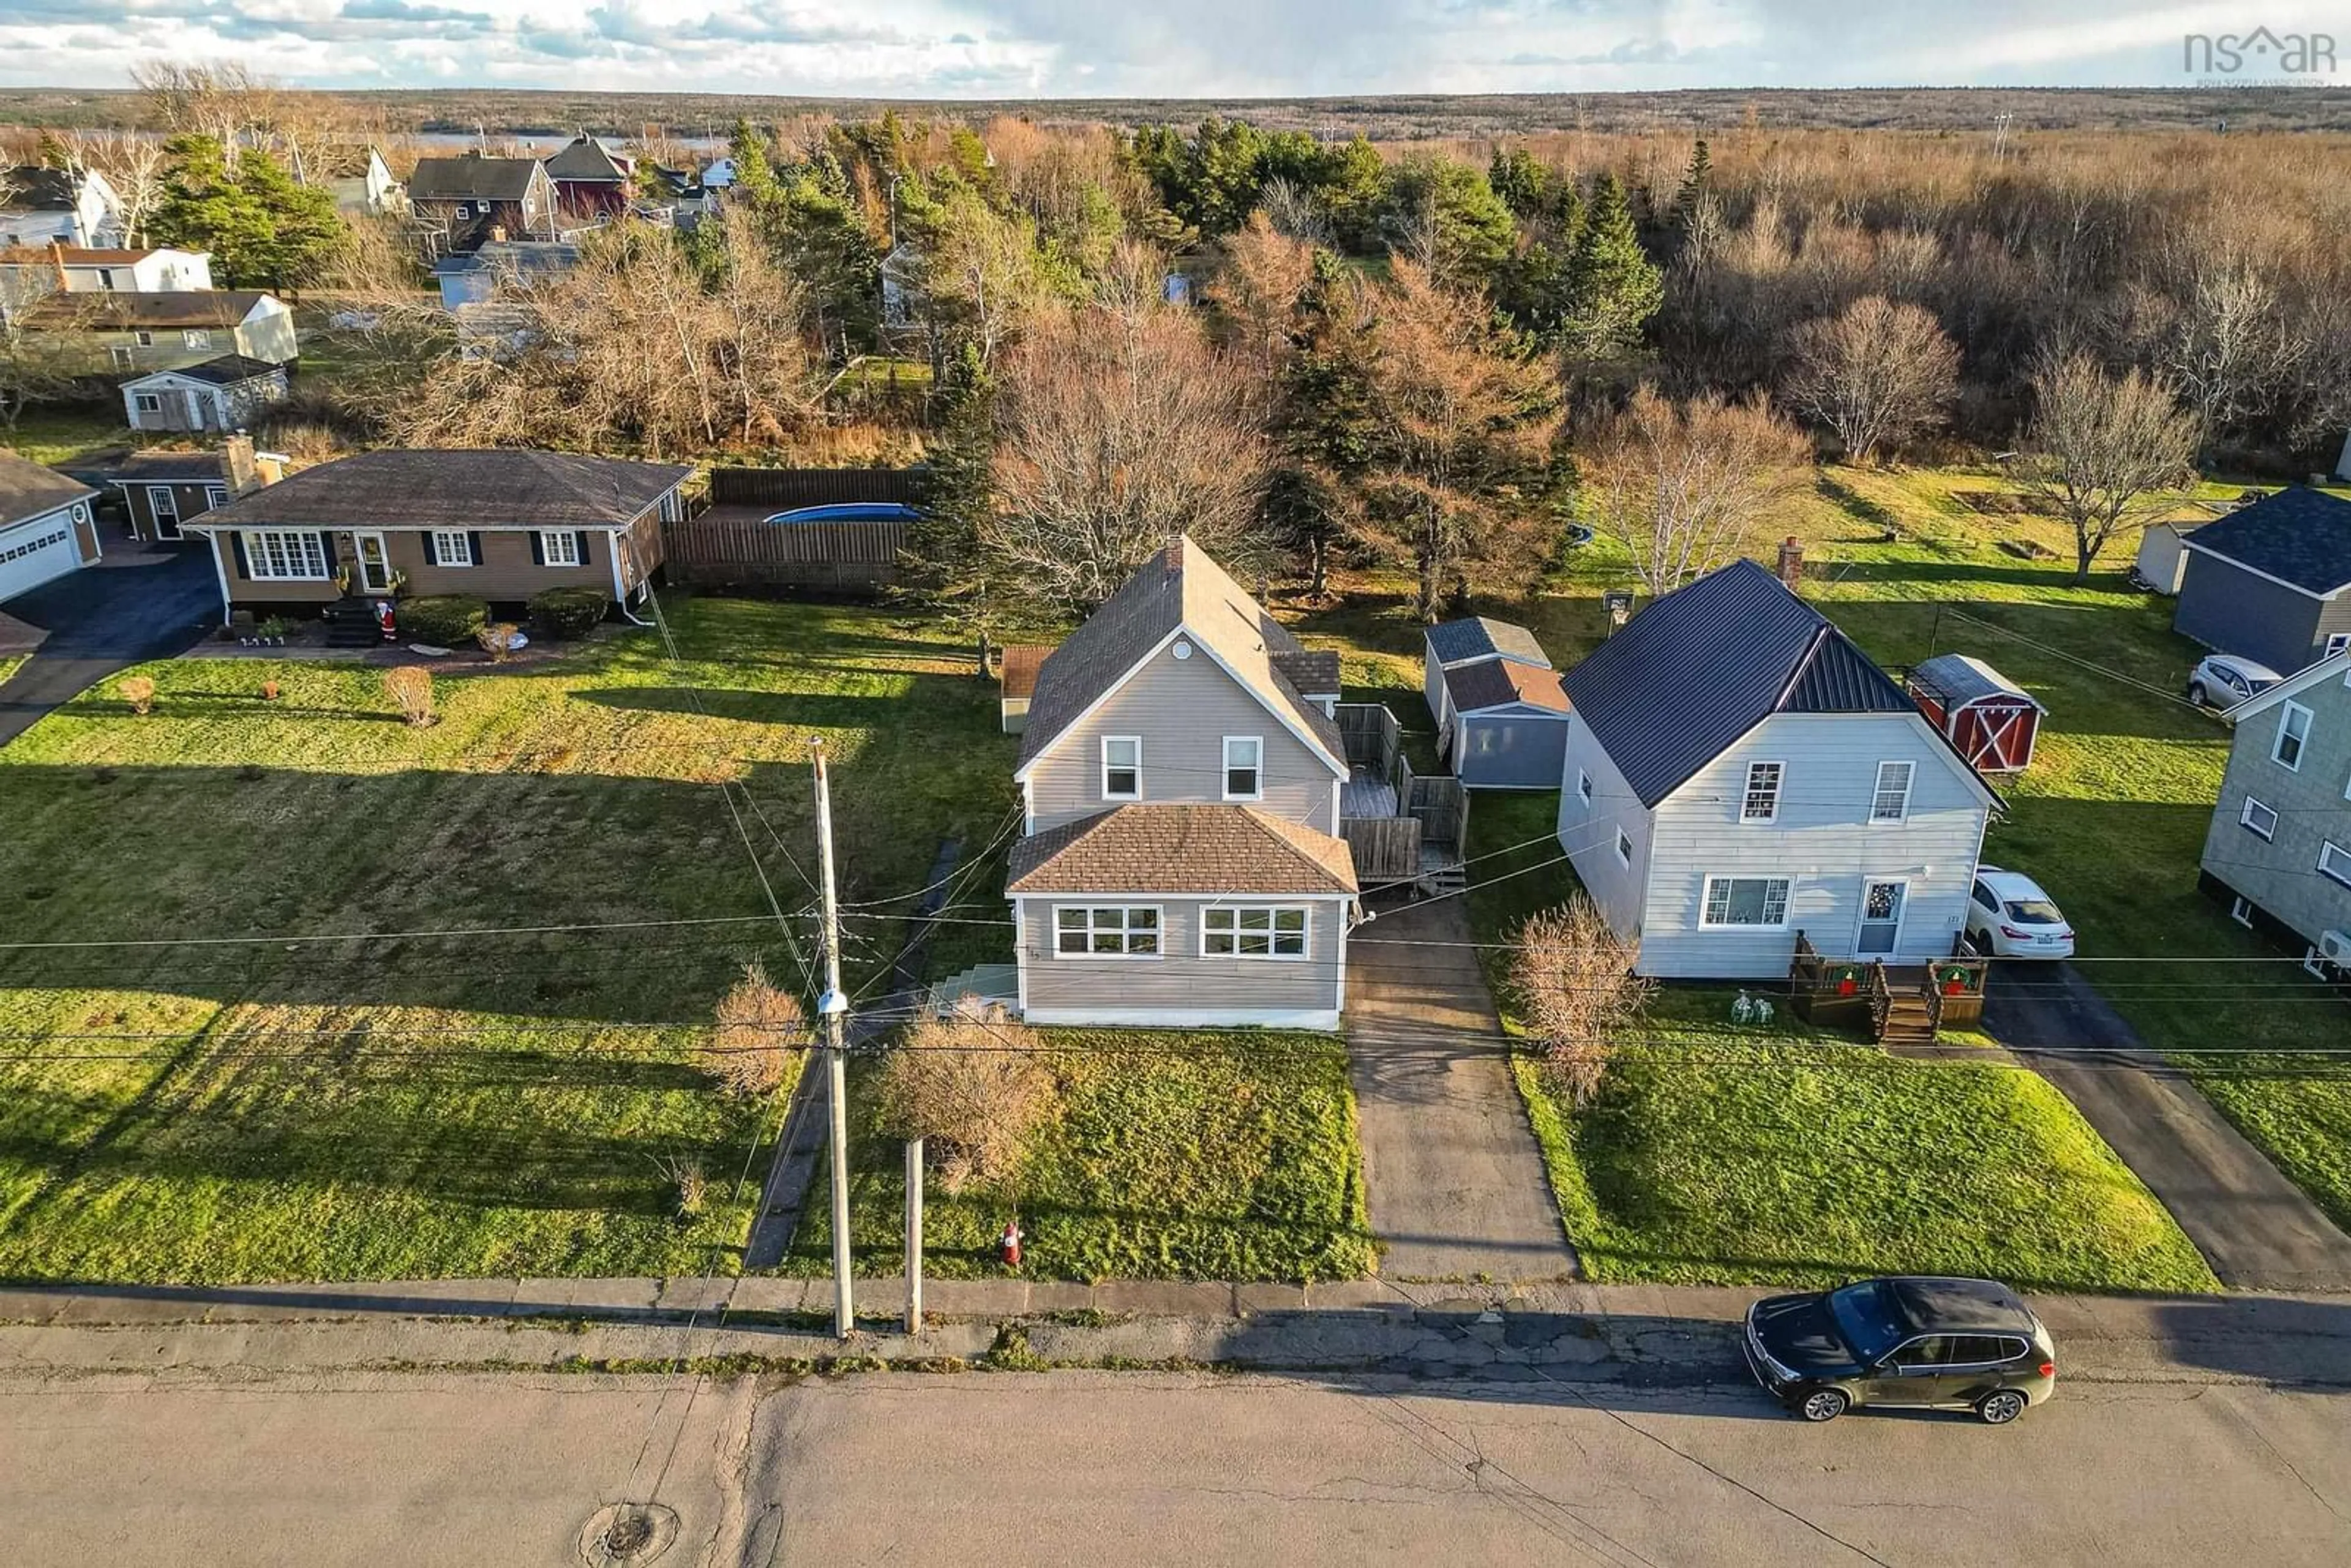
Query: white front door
point(375, 565)
point(163, 505)
point(1882, 899)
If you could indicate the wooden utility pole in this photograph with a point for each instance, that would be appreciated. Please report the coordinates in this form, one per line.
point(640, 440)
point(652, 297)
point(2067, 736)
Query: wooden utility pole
point(834, 1005)
point(913, 1236)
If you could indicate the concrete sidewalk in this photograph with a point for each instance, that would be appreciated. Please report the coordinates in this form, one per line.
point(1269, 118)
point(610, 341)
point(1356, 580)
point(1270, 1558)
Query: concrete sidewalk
point(1651, 1335)
point(1455, 1181)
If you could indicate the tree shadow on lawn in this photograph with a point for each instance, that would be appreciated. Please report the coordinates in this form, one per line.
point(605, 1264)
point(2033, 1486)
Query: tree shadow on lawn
point(799, 710)
point(141, 855)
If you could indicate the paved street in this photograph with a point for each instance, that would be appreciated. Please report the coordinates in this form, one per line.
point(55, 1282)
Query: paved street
point(1454, 1178)
point(1094, 1468)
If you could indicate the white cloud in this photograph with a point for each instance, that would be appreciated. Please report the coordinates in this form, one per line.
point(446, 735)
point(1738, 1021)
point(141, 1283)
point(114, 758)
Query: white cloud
point(979, 49)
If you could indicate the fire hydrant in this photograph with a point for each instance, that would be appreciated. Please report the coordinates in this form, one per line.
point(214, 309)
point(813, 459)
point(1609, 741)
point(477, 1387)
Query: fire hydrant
point(1009, 1243)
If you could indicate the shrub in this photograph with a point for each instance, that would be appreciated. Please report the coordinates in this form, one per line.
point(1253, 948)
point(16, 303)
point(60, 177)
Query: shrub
point(139, 692)
point(410, 686)
point(561, 615)
point(445, 621)
point(497, 640)
point(1575, 984)
point(757, 1028)
point(973, 1084)
point(688, 1181)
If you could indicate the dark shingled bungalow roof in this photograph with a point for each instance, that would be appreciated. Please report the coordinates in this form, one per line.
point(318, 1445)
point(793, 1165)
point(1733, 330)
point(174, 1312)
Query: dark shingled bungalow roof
point(1696, 670)
point(1205, 849)
point(449, 489)
point(2302, 538)
point(472, 177)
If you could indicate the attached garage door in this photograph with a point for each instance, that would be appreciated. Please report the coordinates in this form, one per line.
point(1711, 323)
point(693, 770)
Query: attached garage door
point(34, 553)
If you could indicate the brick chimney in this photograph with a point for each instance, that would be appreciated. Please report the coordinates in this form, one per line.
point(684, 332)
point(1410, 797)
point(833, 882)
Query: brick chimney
point(1791, 563)
point(237, 459)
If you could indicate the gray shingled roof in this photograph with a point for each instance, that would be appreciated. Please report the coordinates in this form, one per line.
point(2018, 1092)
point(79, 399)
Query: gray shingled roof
point(1204, 849)
point(1483, 637)
point(1953, 679)
point(430, 490)
point(1180, 585)
point(222, 370)
point(145, 307)
point(471, 178)
point(1313, 671)
point(162, 467)
point(2297, 536)
point(30, 188)
point(28, 490)
point(1694, 670)
point(585, 158)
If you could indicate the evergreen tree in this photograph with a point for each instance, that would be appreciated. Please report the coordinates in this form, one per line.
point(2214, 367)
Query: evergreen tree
point(1694, 187)
point(1613, 287)
point(204, 207)
point(1354, 190)
point(1450, 206)
point(305, 231)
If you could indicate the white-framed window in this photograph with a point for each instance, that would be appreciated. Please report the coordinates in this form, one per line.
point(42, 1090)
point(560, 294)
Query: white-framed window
point(2261, 820)
point(1761, 803)
point(147, 402)
point(1121, 767)
point(1249, 931)
point(2313, 966)
point(1244, 768)
point(559, 548)
point(2241, 910)
point(1750, 903)
point(2337, 641)
point(2293, 737)
point(1624, 847)
point(1583, 786)
point(1106, 931)
point(285, 555)
point(105, 279)
point(195, 338)
point(452, 546)
point(215, 495)
point(145, 339)
point(2334, 863)
point(1890, 802)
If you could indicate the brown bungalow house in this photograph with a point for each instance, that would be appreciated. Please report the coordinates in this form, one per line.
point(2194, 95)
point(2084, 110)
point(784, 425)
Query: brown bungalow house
point(499, 526)
point(163, 491)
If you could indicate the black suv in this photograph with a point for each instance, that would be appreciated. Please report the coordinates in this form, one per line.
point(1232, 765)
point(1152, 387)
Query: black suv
point(1966, 1344)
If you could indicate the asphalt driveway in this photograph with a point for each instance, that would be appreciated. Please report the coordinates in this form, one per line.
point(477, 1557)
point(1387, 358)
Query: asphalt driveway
point(1455, 1182)
point(135, 604)
point(2257, 1229)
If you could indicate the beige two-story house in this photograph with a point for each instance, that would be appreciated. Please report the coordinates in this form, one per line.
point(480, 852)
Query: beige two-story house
point(1180, 774)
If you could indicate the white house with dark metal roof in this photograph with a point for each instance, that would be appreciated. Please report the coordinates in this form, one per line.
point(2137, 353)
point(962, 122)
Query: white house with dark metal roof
point(1739, 772)
point(1182, 864)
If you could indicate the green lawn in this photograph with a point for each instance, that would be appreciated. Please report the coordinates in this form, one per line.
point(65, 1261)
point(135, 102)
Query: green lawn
point(415, 1105)
point(9, 664)
point(47, 435)
point(1719, 1155)
point(1168, 1156)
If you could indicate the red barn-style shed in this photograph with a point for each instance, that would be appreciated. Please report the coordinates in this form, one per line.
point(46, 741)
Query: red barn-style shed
point(1989, 718)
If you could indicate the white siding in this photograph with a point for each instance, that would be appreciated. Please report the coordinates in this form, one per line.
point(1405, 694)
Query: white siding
point(1822, 841)
point(1180, 988)
point(1432, 683)
point(1588, 834)
point(1182, 709)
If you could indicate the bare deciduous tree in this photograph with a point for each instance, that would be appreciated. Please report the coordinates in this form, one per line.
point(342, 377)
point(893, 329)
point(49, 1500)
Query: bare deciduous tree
point(2103, 452)
point(1117, 432)
point(1574, 980)
point(973, 1086)
point(134, 165)
point(1459, 417)
point(1684, 485)
point(36, 364)
point(220, 98)
point(1877, 374)
point(2230, 342)
point(754, 1033)
point(1265, 278)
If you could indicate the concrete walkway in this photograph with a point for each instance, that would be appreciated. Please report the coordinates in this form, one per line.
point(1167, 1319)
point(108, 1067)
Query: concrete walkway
point(2257, 1229)
point(1454, 1180)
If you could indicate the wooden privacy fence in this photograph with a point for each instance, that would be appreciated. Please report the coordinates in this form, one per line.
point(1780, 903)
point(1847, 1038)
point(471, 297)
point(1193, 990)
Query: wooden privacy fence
point(782, 489)
point(732, 544)
point(1387, 849)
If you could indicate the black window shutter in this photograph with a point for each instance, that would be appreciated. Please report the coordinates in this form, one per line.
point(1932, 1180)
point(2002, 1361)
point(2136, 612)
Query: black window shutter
point(431, 549)
point(473, 549)
point(236, 546)
point(327, 551)
point(537, 550)
point(585, 557)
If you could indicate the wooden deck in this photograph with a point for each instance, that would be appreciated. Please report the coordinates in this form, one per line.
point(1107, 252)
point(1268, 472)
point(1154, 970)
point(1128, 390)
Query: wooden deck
point(1898, 1005)
point(1402, 828)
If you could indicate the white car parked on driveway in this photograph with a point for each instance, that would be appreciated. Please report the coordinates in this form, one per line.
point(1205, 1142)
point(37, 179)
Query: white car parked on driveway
point(2224, 680)
point(2009, 917)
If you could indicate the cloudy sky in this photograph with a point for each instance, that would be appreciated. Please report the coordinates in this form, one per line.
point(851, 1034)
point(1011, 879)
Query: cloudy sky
point(1005, 48)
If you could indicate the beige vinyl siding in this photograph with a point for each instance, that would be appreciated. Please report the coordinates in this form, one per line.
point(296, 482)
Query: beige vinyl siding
point(1181, 984)
point(1182, 709)
point(1822, 841)
point(2281, 876)
point(257, 591)
point(1588, 834)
